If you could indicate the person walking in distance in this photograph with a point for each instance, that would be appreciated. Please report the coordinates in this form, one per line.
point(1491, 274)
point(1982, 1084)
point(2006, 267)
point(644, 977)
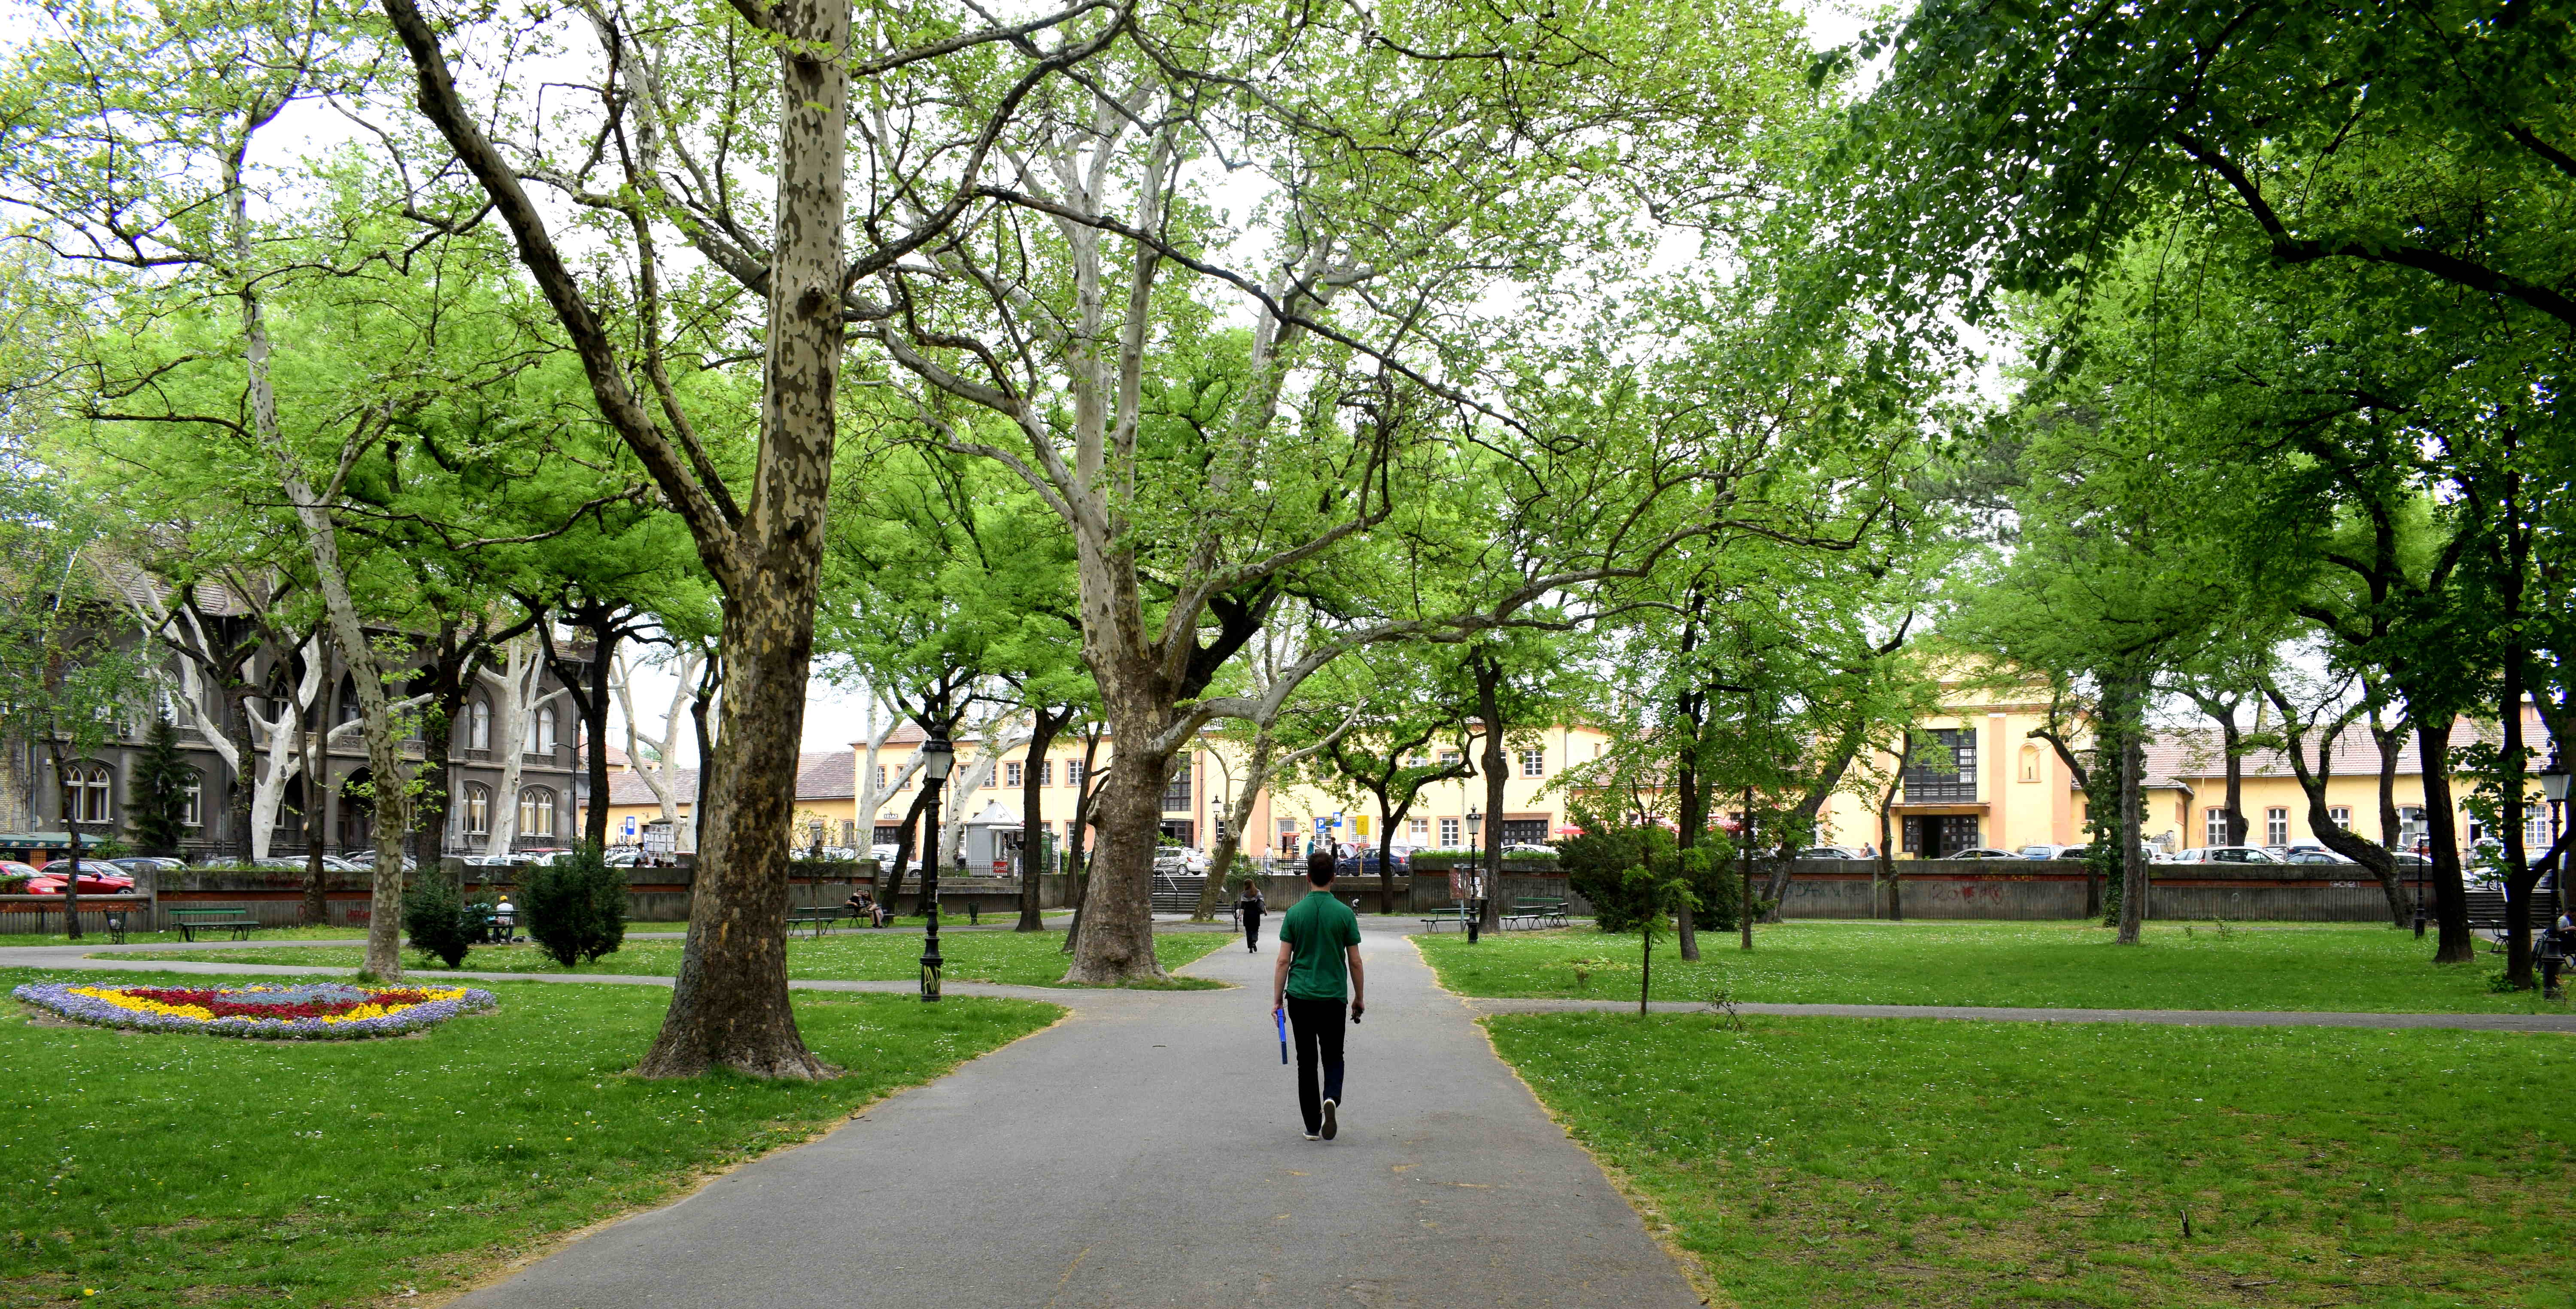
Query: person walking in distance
point(1319, 968)
point(1248, 911)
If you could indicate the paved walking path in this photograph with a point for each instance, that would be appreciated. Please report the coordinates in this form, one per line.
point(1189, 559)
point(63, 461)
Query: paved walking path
point(1147, 1152)
point(2169, 1017)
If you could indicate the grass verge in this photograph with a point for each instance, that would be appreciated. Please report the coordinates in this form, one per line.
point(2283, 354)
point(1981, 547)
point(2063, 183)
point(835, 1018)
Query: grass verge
point(1854, 1162)
point(170, 1169)
point(2361, 968)
point(1011, 958)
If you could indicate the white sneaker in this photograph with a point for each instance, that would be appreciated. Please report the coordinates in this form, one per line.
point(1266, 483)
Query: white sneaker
point(1312, 1137)
point(1330, 1127)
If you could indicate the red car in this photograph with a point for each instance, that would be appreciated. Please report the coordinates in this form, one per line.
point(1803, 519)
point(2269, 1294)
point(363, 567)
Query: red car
point(95, 879)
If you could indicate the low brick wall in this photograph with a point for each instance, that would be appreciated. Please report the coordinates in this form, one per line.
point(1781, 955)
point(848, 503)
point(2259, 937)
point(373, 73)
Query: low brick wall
point(2018, 889)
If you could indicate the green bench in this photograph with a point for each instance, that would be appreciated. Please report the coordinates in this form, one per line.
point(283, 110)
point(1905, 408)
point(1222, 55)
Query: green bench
point(1537, 911)
point(1456, 913)
point(237, 921)
point(820, 920)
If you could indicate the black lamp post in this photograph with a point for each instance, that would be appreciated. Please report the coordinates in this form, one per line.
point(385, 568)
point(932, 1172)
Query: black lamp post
point(937, 757)
point(1476, 879)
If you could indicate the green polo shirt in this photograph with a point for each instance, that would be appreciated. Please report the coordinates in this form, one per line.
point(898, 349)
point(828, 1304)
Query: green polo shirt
point(1317, 929)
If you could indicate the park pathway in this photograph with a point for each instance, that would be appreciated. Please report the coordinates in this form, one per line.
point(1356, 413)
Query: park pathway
point(1146, 1152)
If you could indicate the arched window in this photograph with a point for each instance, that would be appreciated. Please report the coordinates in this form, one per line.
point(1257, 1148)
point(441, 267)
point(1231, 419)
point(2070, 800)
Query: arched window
point(192, 798)
point(88, 793)
point(2030, 763)
point(536, 811)
point(546, 730)
point(478, 725)
point(478, 809)
point(348, 699)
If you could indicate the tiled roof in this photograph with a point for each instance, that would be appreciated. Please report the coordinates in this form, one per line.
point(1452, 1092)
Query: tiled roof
point(2202, 753)
point(827, 775)
point(820, 775)
point(629, 788)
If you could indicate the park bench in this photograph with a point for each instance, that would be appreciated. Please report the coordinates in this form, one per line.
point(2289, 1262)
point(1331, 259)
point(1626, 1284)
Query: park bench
point(237, 921)
point(820, 919)
point(1454, 913)
point(1536, 911)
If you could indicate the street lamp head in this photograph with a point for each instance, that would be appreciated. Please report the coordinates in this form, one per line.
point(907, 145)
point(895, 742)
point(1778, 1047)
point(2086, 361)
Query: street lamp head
point(2553, 777)
point(938, 755)
point(1475, 823)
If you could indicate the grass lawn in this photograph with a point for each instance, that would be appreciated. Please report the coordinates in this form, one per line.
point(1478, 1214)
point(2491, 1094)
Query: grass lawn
point(1016, 958)
point(1856, 1162)
point(2358, 967)
point(170, 1169)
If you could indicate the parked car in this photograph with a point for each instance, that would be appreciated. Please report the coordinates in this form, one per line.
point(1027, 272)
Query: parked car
point(1981, 852)
point(1831, 852)
point(2226, 854)
point(2304, 855)
point(1529, 848)
point(2053, 851)
point(138, 864)
point(95, 879)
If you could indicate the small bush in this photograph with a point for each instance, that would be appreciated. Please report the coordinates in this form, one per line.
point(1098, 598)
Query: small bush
point(575, 907)
point(434, 919)
point(1597, 866)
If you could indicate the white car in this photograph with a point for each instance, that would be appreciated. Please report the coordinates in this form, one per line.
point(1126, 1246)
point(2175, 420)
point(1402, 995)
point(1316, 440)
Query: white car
point(2224, 854)
point(1831, 852)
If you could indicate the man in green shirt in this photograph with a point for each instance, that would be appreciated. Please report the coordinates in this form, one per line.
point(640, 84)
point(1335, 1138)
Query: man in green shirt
point(1319, 967)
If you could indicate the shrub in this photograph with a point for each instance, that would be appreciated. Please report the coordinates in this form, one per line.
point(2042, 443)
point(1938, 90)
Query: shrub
point(1597, 866)
point(575, 907)
point(434, 919)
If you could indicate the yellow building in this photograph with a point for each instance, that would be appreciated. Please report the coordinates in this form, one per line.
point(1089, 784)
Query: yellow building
point(1285, 820)
point(2005, 789)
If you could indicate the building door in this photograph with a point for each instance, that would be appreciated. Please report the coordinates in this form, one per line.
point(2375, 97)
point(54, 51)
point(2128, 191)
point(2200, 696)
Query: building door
point(1938, 836)
point(1524, 831)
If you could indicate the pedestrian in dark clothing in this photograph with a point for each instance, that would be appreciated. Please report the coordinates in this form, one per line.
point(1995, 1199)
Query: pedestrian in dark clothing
point(1248, 911)
point(1319, 968)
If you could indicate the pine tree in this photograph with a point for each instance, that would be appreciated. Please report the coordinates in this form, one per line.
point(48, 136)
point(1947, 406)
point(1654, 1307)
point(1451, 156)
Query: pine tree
point(157, 812)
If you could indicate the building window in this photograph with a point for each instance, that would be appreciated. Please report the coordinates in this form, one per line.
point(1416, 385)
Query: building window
point(1944, 766)
point(478, 809)
point(2217, 827)
point(1072, 831)
point(546, 730)
point(1176, 792)
point(1420, 830)
point(1011, 775)
point(536, 811)
point(192, 800)
point(2535, 832)
point(2276, 826)
point(2030, 763)
point(87, 792)
point(1449, 834)
point(2340, 816)
point(1046, 772)
point(1073, 772)
point(1533, 763)
point(478, 725)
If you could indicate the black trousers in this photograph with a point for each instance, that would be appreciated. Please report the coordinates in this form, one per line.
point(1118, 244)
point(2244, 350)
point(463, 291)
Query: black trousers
point(1251, 927)
point(1316, 1028)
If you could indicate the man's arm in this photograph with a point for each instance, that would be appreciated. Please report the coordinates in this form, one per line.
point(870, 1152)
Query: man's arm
point(1279, 978)
point(1359, 980)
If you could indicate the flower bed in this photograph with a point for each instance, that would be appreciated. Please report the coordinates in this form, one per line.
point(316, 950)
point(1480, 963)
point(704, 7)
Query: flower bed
point(307, 1011)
